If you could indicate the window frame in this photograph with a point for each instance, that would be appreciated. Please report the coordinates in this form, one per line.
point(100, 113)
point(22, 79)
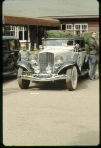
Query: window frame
point(81, 29)
point(23, 30)
point(70, 25)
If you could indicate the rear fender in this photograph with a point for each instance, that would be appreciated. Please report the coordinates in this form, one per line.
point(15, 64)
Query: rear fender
point(25, 64)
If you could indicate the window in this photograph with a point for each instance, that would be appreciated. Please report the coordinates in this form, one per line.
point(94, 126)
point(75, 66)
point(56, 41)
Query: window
point(84, 27)
point(63, 27)
point(20, 32)
point(12, 30)
point(70, 42)
point(12, 44)
point(69, 26)
point(80, 42)
point(79, 28)
point(23, 33)
point(20, 29)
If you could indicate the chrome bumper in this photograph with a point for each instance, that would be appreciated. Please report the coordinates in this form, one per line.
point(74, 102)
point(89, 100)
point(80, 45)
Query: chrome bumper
point(35, 78)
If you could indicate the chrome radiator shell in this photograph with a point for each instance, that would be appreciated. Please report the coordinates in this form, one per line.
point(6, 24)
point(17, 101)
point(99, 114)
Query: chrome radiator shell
point(45, 59)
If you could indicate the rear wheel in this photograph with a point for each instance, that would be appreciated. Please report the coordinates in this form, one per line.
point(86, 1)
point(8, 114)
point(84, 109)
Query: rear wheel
point(72, 78)
point(23, 84)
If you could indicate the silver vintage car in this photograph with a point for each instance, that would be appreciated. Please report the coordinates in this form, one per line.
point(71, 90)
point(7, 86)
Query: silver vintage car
point(59, 59)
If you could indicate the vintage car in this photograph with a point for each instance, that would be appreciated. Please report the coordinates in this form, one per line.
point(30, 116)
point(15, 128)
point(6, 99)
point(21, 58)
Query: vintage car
point(10, 49)
point(61, 59)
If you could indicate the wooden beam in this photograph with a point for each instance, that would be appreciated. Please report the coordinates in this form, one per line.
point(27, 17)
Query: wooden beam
point(31, 21)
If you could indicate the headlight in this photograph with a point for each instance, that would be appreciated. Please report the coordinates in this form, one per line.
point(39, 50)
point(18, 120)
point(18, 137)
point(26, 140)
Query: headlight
point(58, 59)
point(48, 69)
point(33, 62)
point(37, 69)
point(33, 59)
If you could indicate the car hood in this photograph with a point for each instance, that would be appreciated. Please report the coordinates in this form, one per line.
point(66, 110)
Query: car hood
point(57, 49)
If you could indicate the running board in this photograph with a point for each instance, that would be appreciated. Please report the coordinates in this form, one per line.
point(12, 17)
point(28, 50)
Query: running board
point(9, 72)
point(83, 71)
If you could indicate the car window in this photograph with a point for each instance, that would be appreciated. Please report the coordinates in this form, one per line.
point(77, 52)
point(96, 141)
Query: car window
point(58, 42)
point(5, 45)
point(70, 42)
point(18, 44)
point(80, 42)
point(13, 44)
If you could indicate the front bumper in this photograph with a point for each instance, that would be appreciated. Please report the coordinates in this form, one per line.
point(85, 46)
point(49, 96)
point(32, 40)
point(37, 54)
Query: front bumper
point(43, 77)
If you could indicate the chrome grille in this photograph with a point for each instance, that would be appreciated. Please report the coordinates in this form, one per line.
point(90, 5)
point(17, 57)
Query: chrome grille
point(46, 59)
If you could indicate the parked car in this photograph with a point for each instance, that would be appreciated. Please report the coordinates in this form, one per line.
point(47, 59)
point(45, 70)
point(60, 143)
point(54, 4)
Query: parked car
point(10, 49)
point(61, 58)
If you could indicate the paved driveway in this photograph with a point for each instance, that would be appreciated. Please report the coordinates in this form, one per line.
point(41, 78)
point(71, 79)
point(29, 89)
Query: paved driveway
point(49, 114)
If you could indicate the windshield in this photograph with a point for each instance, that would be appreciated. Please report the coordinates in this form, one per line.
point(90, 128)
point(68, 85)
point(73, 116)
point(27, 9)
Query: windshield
point(58, 42)
point(11, 44)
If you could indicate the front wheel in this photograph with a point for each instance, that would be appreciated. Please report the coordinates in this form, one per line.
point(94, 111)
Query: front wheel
point(23, 84)
point(72, 78)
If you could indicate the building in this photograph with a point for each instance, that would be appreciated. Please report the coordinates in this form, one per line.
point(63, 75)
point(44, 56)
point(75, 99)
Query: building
point(22, 18)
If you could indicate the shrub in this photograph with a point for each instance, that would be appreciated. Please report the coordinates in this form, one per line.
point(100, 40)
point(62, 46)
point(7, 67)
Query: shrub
point(57, 33)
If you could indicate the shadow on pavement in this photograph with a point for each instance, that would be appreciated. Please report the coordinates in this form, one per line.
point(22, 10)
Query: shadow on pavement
point(61, 85)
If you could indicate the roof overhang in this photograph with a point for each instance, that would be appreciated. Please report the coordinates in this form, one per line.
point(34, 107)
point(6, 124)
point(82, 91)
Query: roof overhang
point(16, 20)
point(81, 16)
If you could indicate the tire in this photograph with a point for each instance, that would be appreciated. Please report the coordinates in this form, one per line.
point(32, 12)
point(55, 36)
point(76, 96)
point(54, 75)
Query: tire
point(23, 84)
point(71, 81)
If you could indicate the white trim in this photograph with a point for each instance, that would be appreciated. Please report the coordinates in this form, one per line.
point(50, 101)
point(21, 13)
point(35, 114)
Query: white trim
point(61, 26)
point(24, 41)
point(70, 25)
point(23, 34)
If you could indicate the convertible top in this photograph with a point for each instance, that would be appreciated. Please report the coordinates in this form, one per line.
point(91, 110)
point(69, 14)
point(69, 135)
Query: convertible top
point(66, 37)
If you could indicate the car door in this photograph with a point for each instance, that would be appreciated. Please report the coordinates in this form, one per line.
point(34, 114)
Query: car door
point(14, 47)
point(10, 53)
point(6, 53)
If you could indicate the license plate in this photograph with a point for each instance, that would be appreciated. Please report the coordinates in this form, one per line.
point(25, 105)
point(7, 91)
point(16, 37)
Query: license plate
point(27, 73)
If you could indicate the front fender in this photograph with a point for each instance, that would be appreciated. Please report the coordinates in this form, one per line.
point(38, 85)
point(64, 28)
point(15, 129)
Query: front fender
point(70, 63)
point(65, 65)
point(25, 64)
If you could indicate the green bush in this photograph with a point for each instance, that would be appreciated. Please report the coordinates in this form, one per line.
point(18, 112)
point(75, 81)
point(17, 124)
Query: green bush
point(35, 51)
point(57, 33)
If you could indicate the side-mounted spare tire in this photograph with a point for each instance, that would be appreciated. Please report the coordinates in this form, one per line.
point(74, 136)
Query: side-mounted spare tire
point(72, 78)
point(23, 84)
